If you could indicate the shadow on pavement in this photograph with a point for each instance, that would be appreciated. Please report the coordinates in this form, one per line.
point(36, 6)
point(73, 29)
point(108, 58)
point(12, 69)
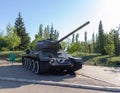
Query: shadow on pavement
point(20, 72)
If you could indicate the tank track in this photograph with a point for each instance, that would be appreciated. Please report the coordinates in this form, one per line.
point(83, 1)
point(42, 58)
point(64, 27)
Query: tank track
point(35, 65)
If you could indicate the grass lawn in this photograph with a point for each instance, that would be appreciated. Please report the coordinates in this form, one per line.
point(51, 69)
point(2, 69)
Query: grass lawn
point(5, 55)
point(88, 59)
point(100, 60)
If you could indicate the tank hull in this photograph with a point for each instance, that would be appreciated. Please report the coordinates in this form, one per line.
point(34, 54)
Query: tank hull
point(39, 64)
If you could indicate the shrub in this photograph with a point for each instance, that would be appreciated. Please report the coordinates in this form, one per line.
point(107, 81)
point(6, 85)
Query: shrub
point(4, 49)
point(113, 62)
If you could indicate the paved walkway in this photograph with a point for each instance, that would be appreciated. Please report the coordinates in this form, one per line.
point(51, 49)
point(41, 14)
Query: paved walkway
point(89, 77)
point(108, 74)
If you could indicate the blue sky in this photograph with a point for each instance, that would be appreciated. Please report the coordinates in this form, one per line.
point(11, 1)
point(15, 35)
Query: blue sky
point(65, 15)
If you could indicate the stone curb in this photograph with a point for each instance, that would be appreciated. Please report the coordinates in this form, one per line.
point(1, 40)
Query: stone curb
point(63, 84)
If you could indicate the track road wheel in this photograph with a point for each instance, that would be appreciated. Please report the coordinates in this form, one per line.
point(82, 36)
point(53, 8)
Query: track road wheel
point(27, 63)
point(32, 65)
point(37, 67)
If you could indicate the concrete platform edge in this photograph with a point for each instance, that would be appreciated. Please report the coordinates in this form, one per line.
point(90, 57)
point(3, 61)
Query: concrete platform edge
point(63, 84)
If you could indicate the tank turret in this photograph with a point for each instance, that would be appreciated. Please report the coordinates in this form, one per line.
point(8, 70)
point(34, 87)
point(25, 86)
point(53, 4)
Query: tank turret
point(48, 56)
point(54, 44)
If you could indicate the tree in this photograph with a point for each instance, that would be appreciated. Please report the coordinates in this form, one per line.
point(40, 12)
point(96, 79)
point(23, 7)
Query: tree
point(51, 32)
point(101, 39)
point(109, 43)
point(3, 42)
point(86, 44)
point(1, 34)
point(40, 33)
point(13, 38)
point(33, 44)
point(93, 43)
point(77, 36)
point(45, 33)
point(73, 38)
point(73, 47)
point(97, 44)
point(117, 42)
point(21, 32)
point(54, 34)
point(85, 37)
point(64, 45)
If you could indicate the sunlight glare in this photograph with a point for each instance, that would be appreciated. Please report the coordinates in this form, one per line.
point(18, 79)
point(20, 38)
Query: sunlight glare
point(110, 14)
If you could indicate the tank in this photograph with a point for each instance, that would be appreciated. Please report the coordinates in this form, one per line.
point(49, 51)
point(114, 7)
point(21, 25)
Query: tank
point(49, 56)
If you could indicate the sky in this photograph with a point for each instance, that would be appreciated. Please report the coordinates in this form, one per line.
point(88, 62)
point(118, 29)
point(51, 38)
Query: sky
point(65, 15)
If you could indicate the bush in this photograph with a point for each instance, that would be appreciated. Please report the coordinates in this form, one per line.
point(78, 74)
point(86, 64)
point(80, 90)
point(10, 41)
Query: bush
point(99, 60)
point(113, 62)
point(4, 49)
point(109, 49)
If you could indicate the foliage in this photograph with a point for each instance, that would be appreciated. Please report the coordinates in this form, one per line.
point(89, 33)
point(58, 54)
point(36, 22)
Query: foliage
point(103, 43)
point(114, 61)
point(98, 60)
point(4, 49)
point(33, 44)
point(109, 43)
point(4, 55)
point(85, 37)
point(3, 42)
point(109, 48)
point(74, 47)
point(117, 42)
point(47, 32)
point(64, 45)
point(73, 38)
point(101, 39)
point(43, 34)
point(93, 43)
point(13, 38)
point(21, 32)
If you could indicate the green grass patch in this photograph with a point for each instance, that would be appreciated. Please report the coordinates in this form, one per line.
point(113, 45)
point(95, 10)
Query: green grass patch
point(99, 60)
point(5, 55)
point(89, 59)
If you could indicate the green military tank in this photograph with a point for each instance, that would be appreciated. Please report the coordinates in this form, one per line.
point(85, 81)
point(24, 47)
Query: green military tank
point(48, 55)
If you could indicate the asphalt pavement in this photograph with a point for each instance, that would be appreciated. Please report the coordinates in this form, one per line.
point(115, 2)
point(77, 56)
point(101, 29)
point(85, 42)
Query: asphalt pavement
point(88, 77)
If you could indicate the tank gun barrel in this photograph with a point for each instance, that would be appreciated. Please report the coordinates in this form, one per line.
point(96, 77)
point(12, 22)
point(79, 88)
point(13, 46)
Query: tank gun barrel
point(74, 31)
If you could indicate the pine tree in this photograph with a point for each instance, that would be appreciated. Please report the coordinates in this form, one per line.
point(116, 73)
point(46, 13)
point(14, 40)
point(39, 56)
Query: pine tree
point(85, 37)
point(44, 33)
point(93, 43)
point(73, 38)
point(101, 39)
point(54, 34)
point(40, 33)
point(51, 32)
point(77, 37)
point(47, 32)
point(117, 42)
point(86, 44)
point(21, 32)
